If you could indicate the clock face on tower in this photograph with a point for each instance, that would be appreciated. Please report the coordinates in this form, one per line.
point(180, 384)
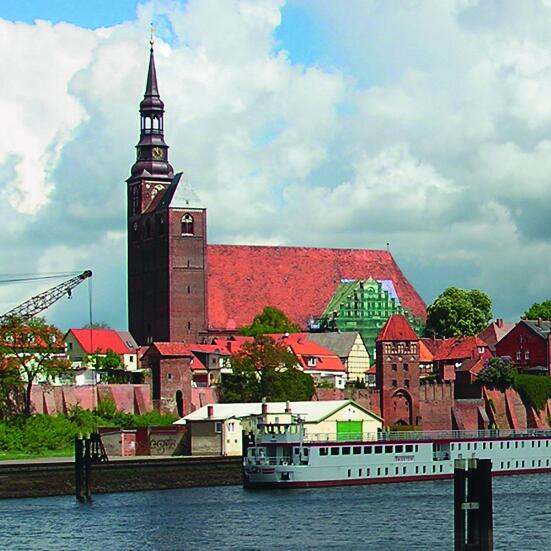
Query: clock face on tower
point(157, 153)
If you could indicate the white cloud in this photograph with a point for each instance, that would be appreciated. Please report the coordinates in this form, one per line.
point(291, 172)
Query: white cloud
point(430, 131)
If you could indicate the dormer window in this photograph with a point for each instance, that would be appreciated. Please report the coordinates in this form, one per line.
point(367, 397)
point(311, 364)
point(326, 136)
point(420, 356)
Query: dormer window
point(312, 362)
point(187, 224)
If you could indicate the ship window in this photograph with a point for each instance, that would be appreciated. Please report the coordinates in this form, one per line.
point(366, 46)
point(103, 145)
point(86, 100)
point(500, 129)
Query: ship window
point(452, 447)
point(508, 464)
point(416, 448)
point(468, 446)
point(378, 472)
point(398, 449)
point(459, 447)
point(349, 473)
point(335, 451)
point(359, 472)
point(357, 450)
point(508, 445)
point(323, 451)
point(522, 462)
point(386, 470)
point(434, 468)
point(533, 443)
point(416, 469)
point(367, 472)
point(483, 445)
point(403, 470)
point(539, 462)
point(409, 448)
point(501, 465)
point(388, 449)
point(491, 445)
point(516, 444)
point(305, 452)
point(441, 467)
point(475, 446)
point(396, 470)
point(378, 449)
point(424, 469)
point(346, 450)
point(539, 444)
point(501, 445)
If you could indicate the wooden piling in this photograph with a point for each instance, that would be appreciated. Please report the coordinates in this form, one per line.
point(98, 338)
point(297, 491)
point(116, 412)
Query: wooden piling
point(78, 468)
point(473, 512)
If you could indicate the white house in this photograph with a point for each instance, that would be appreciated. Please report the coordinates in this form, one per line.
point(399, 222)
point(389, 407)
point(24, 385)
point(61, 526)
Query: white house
point(216, 429)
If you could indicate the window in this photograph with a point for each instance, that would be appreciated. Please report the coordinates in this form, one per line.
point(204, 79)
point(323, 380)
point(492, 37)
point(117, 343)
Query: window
point(406, 383)
point(346, 450)
point(218, 427)
point(378, 449)
point(312, 361)
point(518, 355)
point(231, 426)
point(356, 450)
point(409, 448)
point(187, 224)
point(335, 451)
point(527, 355)
point(394, 383)
point(389, 449)
point(406, 367)
point(70, 344)
point(367, 449)
point(323, 451)
point(169, 376)
point(394, 367)
point(398, 449)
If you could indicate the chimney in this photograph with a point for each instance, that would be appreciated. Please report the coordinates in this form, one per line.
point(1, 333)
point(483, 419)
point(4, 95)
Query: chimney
point(210, 411)
point(287, 407)
point(540, 322)
point(264, 406)
point(499, 322)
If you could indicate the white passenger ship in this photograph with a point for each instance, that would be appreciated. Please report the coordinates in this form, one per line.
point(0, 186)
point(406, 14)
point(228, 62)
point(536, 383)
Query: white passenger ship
point(283, 456)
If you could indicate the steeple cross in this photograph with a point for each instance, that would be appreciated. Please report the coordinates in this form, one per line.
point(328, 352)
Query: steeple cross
point(152, 31)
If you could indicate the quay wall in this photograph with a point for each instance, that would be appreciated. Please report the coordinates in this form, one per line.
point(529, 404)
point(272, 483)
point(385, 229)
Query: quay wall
point(32, 479)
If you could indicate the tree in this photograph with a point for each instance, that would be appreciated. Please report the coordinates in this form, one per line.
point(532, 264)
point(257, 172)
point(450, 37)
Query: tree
point(457, 312)
point(498, 373)
point(35, 350)
point(265, 369)
point(109, 366)
point(271, 320)
point(97, 325)
point(12, 390)
point(539, 310)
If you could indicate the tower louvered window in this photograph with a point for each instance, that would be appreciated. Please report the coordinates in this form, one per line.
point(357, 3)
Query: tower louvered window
point(187, 224)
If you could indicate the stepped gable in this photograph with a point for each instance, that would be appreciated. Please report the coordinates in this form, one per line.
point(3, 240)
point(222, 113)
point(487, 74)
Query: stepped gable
point(242, 280)
point(397, 328)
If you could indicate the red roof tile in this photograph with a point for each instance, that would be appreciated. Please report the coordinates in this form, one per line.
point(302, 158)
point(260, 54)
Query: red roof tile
point(397, 328)
point(300, 281)
point(459, 348)
point(100, 340)
point(172, 348)
point(425, 355)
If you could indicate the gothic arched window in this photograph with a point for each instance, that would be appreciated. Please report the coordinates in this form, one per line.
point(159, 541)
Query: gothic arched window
point(187, 224)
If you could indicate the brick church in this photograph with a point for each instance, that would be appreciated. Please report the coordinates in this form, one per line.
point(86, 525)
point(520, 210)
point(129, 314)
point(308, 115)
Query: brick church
point(181, 288)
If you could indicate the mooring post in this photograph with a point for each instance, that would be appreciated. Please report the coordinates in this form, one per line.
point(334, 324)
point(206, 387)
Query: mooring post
point(78, 468)
point(473, 513)
point(88, 468)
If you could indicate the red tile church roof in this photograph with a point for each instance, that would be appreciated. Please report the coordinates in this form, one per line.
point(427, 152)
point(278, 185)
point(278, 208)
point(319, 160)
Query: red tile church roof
point(300, 281)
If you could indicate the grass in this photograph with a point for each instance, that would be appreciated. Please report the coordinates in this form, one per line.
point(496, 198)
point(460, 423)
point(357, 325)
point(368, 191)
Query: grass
point(69, 451)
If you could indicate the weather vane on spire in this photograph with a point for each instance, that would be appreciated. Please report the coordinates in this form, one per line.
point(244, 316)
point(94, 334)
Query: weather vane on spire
point(152, 34)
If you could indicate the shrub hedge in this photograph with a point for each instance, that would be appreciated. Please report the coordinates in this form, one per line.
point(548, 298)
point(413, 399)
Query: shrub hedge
point(534, 390)
point(39, 433)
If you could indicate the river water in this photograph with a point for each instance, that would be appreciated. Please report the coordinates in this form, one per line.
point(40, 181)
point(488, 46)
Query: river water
point(409, 516)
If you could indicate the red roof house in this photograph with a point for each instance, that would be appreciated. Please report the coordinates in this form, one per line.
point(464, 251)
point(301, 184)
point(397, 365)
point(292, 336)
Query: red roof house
point(397, 328)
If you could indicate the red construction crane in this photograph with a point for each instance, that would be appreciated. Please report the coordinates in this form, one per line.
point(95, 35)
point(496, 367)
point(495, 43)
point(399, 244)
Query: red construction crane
point(38, 303)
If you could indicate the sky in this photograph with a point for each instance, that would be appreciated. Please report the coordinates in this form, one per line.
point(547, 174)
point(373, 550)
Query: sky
point(422, 124)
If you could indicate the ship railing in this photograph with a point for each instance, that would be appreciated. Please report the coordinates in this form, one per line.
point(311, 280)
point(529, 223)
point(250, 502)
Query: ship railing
point(393, 436)
point(269, 460)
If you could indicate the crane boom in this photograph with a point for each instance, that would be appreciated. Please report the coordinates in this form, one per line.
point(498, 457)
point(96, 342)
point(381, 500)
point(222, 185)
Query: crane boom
point(38, 303)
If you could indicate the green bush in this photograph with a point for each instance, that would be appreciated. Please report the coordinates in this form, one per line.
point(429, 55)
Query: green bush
point(534, 390)
point(39, 433)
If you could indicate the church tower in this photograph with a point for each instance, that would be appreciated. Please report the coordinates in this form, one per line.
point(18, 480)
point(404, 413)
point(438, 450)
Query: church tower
point(167, 237)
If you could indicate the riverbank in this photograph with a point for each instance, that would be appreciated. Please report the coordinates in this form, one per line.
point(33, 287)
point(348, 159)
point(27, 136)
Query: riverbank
point(38, 478)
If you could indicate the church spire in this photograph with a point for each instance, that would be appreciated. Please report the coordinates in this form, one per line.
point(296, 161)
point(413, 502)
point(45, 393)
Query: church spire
point(152, 151)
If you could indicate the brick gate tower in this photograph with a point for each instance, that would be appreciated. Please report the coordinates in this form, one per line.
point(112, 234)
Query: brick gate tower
point(398, 372)
point(167, 237)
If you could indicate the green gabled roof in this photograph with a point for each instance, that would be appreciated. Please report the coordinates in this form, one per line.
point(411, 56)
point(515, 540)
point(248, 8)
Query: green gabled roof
point(343, 290)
